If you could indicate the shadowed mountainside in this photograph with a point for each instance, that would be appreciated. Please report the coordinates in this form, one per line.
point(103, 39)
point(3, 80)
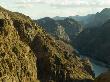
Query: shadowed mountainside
point(94, 42)
point(66, 29)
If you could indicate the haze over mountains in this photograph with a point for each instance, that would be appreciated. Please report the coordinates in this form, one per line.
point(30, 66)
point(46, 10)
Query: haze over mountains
point(49, 49)
point(88, 34)
point(91, 20)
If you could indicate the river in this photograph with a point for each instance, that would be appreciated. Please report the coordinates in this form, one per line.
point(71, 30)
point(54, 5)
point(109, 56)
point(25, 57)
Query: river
point(98, 67)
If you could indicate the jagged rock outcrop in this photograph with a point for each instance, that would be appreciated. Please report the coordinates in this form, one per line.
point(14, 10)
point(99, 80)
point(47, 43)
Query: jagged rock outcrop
point(72, 28)
point(54, 28)
point(66, 29)
point(59, 65)
point(22, 42)
point(17, 60)
point(104, 77)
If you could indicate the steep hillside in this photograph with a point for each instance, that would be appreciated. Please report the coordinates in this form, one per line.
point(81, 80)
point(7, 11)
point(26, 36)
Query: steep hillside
point(22, 42)
point(66, 29)
point(72, 28)
point(17, 60)
point(54, 28)
point(59, 65)
point(95, 42)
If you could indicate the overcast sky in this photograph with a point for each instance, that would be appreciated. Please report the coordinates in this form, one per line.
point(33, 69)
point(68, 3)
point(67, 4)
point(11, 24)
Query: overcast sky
point(42, 8)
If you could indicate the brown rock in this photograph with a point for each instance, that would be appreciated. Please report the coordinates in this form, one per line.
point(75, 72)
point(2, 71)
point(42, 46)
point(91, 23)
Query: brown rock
point(104, 77)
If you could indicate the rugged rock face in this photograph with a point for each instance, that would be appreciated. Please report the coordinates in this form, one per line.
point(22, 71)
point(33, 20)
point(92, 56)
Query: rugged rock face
point(59, 65)
point(22, 42)
point(66, 29)
point(94, 42)
point(105, 77)
point(72, 28)
point(53, 27)
point(17, 60)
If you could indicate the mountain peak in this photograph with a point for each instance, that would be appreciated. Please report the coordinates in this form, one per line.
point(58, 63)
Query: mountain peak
point(47, 19)
point(69, 19)
point(106, 10)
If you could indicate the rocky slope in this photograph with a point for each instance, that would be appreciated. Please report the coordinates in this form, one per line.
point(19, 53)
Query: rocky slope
point(94, 42)
point(66, 29)
point(72, 28)
point(22, 42)
point(53, 27)
point(17, 60)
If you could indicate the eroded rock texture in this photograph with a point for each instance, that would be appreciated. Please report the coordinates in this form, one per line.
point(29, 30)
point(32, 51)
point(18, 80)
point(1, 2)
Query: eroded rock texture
point(29, 54)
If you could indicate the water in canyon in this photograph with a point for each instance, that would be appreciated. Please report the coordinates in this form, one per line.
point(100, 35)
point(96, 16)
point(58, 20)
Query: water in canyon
point(98, 67)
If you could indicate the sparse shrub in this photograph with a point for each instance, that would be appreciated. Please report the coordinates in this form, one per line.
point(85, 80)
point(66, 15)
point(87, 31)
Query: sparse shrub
point(15, 50)
point(57, 60)
point(0, 74)
point(2, 22)
point(66, 54)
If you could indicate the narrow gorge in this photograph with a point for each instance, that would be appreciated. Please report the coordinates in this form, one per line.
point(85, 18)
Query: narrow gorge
point(54, 49)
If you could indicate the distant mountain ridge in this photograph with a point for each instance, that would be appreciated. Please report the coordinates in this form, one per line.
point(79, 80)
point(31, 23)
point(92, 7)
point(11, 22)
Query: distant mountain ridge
point(88, 36)
point(53, 27)
point(66, 29)
point(93, 40)
point(90, 20)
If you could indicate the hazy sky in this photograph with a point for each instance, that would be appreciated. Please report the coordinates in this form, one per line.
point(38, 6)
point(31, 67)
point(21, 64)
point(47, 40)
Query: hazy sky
point(51, 8)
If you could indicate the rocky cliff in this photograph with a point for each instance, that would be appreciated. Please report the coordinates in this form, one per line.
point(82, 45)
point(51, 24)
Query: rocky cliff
point(17, 60)
point(53, 28)
point(66, 29)
point(29, 54)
